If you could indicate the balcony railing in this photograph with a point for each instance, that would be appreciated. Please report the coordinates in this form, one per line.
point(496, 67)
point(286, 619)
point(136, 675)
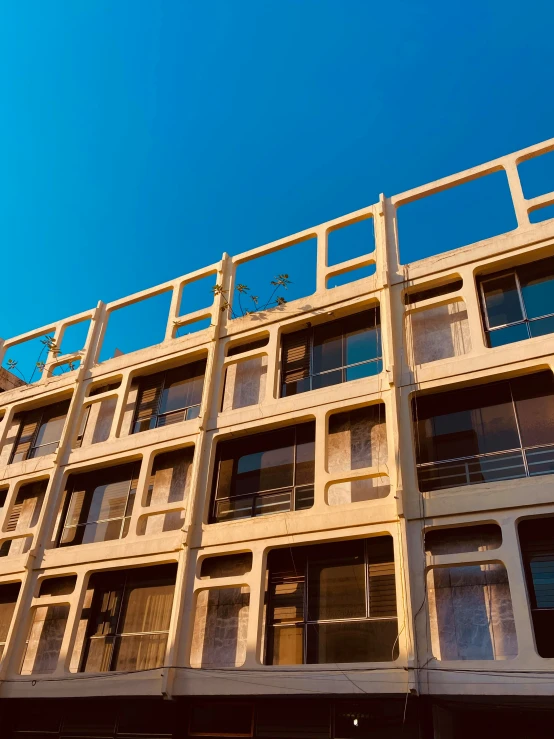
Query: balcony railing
point(492, 467)
point(264, 503)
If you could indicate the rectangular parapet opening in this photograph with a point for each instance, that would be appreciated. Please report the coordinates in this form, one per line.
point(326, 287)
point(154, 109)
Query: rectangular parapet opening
point(74, 337)
point(136, 326)
point(352, 275)
point(350, 240)
point(537, 175)
point(197, 294)
point(538, 215)
point(25, 361)
point(458, 216)
point(192, 327)
point(269, 281)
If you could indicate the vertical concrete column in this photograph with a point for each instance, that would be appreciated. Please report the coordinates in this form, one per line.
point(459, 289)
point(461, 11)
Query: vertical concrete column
point(173, 315)
point(473, 307)
point(321, 260)
point(272, 389)
point(183, 605)
point(54, 491)
point(76, 600)
point(255, 611)
point(516, 191)
point(511, 557)
point(120, 411)
point(391, 325)
point(320, 457)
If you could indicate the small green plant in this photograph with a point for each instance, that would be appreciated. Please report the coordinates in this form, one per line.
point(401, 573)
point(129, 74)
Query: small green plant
point(281, 281)
point(49, 346)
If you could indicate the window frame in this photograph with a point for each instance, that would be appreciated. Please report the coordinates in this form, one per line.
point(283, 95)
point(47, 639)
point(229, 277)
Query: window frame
point(522, 450)
point(525, 321)
point(306, 621)
point(135, 471)
point(293, 488)
point(117, 634)
point(33, 446)
point(13, 584)
point(344, 367)
point(156, 415)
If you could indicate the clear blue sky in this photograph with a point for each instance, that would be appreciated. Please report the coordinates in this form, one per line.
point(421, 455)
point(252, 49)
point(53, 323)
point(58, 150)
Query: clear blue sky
point(140, 139)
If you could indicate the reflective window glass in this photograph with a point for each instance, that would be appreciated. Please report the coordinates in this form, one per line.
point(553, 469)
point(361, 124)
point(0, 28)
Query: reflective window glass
point(509, 334)
point(327, 348)
point(537, 287)
point(502, 300)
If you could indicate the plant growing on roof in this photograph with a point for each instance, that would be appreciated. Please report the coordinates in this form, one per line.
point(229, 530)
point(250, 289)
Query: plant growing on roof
point(280, 281)
point(48, 345)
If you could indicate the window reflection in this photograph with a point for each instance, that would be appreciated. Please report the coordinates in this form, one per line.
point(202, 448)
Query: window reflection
point(517, 304)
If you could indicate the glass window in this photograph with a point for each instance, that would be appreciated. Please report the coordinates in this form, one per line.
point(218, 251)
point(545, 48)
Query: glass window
point(534, 401)
point(266, 473)
point(537, 285)
point(502, 300)
point(99, 505)
point(465, 423)
point(40, 431)
point(330, 353)
point(509, 334)
point(50, 431)
point(496, 431)
point(337, 589)
point(518, 304)
point(8, 600)
point(536, 538)
point(183, 388)
point(169, 397)
point(362, 341)
point(327, 350)
point(349, 611)
point(129, 619)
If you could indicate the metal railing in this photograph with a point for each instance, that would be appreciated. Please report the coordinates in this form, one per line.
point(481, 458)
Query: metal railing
point(492, 467)
point(296, 498)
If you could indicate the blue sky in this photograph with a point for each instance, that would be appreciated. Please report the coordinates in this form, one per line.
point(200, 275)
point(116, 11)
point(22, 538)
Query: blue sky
point(141, 139)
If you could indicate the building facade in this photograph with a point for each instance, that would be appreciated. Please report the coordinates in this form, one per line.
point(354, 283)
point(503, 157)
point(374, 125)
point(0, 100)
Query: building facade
point(333, 518)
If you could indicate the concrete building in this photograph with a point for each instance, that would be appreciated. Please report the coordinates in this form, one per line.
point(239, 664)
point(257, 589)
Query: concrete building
point(329, 519)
